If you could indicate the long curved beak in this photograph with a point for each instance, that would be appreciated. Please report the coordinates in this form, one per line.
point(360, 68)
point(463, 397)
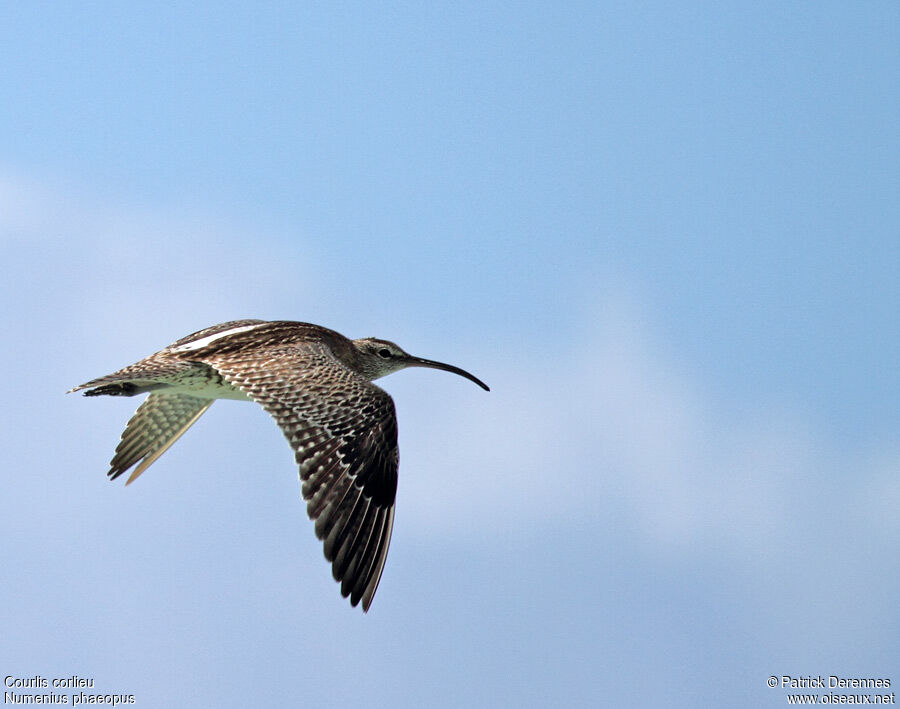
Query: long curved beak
point(420, 362)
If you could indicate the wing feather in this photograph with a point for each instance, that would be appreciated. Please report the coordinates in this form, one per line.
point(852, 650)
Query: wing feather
point(160, 421)
point(343, 430)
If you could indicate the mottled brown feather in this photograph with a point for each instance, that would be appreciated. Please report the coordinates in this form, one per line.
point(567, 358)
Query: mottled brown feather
point(343, 430)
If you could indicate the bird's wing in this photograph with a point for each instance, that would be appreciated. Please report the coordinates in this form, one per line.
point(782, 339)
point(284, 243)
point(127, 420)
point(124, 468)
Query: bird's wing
point(155, 426)
point(343, 430)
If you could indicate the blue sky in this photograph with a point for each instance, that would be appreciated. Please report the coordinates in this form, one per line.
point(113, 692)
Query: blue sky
point(667, 235)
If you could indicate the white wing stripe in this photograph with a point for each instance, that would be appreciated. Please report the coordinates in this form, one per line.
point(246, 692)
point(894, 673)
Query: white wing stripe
point(204, 341)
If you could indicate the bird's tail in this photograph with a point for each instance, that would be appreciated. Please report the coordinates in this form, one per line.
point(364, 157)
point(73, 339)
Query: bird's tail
point(139, 378)
point(101, 387)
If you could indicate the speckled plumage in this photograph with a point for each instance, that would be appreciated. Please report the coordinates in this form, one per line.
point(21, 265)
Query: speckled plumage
point(317, 386)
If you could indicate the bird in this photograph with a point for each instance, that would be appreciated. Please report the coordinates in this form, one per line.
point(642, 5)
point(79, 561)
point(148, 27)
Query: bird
point(317, 385)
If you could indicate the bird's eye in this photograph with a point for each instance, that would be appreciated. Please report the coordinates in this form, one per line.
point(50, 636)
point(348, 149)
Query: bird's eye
point(384, 352)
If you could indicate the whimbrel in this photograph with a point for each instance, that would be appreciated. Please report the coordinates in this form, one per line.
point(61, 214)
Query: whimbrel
point(317, 385)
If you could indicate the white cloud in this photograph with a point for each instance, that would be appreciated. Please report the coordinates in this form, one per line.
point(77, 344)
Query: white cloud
point(102, 275)
point(609, 431)
point(616, 435)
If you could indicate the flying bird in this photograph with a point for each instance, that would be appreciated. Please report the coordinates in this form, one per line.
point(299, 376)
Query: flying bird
point(317, 385)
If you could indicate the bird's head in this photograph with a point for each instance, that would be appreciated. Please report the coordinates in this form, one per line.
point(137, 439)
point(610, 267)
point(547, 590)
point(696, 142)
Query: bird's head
point(379, 358)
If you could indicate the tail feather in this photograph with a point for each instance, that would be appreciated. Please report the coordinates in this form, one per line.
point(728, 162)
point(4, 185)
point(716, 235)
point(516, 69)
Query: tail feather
point(117, 389)
point(139, 378)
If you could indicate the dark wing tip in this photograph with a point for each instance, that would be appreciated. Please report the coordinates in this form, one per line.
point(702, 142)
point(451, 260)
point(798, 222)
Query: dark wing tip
point(344, 438)
point(114, 472)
